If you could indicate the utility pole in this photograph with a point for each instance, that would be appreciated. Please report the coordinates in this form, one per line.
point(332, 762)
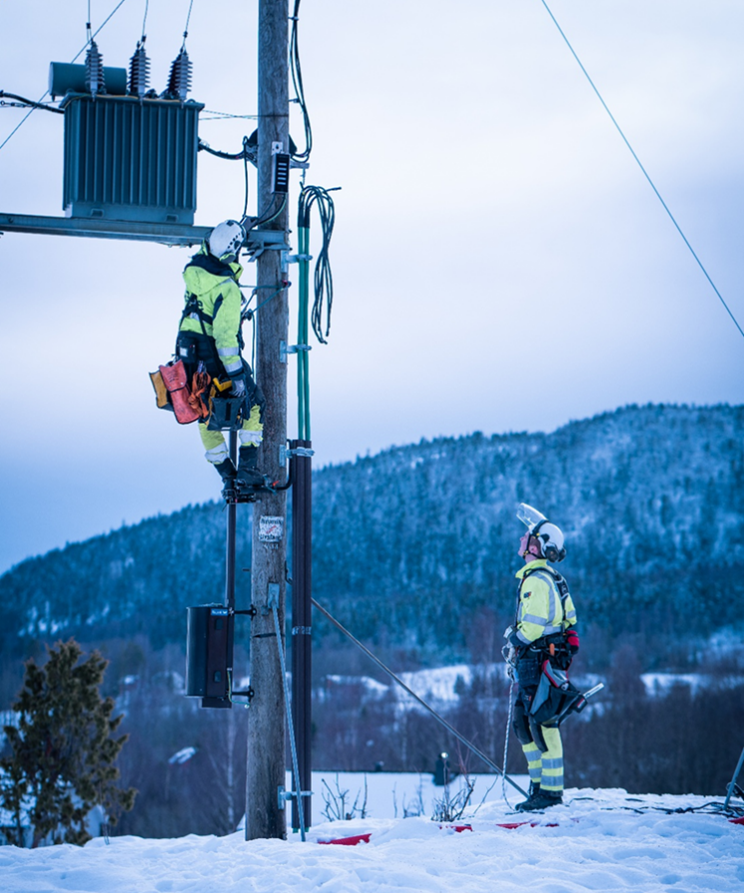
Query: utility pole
point(266, 723)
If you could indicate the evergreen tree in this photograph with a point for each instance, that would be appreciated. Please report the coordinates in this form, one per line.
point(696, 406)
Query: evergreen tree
point(62, 754)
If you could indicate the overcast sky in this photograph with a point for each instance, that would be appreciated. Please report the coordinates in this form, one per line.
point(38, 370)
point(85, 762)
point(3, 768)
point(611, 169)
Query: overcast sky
point(500, 262)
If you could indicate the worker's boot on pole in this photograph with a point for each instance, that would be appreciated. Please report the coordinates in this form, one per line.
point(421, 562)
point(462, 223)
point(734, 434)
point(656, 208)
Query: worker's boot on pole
point(227, 472)
point(248, 479)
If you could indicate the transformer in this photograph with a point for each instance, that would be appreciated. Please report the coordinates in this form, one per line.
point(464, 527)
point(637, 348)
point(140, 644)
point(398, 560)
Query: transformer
point(130, 159)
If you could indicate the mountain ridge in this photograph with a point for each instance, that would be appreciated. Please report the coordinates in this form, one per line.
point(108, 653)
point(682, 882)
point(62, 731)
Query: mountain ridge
point(416, 545)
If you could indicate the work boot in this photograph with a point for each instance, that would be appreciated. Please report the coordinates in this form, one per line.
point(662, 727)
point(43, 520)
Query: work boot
point(546, 799)
point(226, 471)
point(248, 478)
point(526, 805)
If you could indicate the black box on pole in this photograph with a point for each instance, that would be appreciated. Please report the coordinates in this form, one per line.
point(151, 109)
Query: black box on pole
point(209, 641)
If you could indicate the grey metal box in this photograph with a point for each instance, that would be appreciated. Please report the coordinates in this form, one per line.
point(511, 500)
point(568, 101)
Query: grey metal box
point(130, 159)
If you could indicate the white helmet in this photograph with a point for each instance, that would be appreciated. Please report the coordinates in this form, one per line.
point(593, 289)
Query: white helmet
point(225, 240)
point(549, 535)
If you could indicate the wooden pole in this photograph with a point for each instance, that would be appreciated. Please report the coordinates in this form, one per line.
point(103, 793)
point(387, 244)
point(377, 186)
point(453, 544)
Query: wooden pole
point(266, 724)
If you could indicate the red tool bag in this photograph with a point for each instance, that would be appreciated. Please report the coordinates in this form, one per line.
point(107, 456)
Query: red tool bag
point(176, 383)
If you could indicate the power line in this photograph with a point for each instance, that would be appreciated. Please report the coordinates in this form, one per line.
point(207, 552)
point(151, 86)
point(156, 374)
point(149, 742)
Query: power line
point(296, 71)
point(643, 169)
point(77, 56)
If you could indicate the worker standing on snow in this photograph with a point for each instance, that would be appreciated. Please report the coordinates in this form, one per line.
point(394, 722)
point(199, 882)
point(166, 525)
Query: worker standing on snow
point(543, 639)
point(210, 333)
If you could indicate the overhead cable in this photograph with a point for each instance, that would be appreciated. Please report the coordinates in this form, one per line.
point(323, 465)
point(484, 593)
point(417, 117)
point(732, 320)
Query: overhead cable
point(72, 61)
point(296, 70)
point(643, 169)
point(22, 102)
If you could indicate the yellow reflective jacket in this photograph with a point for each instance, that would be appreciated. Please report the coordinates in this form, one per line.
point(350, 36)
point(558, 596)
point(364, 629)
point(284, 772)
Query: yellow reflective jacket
point(540, 611)
point(213, 284)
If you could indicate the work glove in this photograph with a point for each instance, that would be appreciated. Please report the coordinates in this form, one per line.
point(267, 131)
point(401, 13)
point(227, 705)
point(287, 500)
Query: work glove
point(238, 387)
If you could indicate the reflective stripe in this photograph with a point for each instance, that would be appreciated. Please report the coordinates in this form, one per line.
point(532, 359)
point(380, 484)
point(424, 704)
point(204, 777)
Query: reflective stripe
point(554, 603)
point(553, 785)
point(571, 615)
point(246, 437)
point(552, 630)
point(533, 755)
point(228, 351)
point(533, 618)
point(557, 763)
point(217, 454)
point(233, 367)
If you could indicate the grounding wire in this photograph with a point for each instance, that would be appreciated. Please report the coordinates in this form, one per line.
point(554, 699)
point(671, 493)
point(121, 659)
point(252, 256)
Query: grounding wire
point(299, 88)
point(643, 169)
point(46, 92)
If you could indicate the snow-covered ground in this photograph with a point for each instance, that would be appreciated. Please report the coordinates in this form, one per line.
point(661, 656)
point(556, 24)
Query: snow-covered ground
point(600, 840)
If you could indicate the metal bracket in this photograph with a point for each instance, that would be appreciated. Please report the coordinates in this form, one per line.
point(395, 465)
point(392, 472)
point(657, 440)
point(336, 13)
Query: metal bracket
point(260, 240)
point(283, 795)
point(302, 452)
point(273, 595)
point(285, 349)
point(302, 630)
point(296, 258)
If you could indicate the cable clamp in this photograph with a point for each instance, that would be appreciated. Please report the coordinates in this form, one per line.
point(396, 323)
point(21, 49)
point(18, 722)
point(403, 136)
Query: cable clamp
point(285, 349)
point(283, 795)
point(296, 258)
point(300, 452)
point(302, 630)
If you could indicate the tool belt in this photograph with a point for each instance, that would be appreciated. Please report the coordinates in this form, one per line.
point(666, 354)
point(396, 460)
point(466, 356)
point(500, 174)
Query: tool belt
point(224, 411)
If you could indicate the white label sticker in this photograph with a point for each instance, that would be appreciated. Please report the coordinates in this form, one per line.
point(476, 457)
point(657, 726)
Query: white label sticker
point(270, 529)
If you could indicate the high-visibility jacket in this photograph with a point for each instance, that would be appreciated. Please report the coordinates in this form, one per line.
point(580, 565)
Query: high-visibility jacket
point(541, 611)
point(213, 292)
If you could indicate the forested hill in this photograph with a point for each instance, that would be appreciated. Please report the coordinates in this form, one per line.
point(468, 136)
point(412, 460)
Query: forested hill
point(416, 546)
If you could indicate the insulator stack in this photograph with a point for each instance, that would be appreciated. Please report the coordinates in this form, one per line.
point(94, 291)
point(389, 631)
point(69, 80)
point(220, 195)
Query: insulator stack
point(139, 71)
point(94, 77)
point(179, 82)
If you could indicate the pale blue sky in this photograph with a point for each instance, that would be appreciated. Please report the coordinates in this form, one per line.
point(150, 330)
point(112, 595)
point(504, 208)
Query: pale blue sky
point(500, 262)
